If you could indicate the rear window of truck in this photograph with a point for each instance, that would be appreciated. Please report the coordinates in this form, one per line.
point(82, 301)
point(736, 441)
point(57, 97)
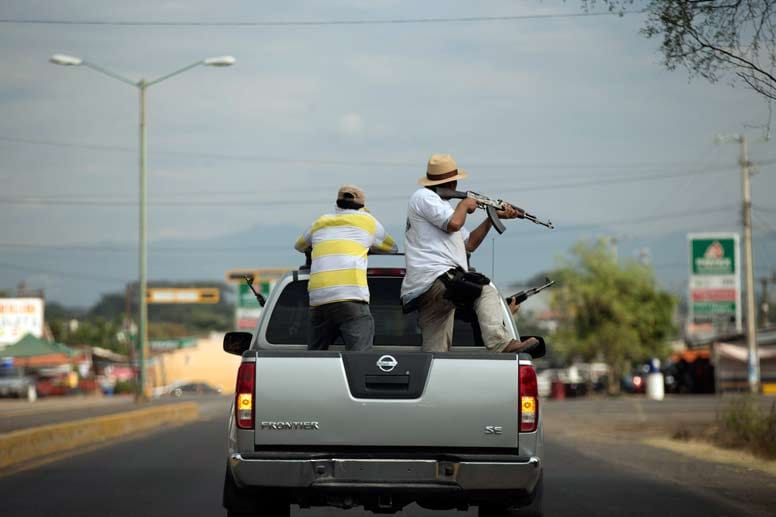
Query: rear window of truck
point(290, 320)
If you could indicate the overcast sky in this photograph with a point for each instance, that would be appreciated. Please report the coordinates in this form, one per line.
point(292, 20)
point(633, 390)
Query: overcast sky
point(574, 119)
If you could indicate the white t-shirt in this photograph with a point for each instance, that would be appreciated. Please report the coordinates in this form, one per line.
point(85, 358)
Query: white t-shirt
point(429, 249)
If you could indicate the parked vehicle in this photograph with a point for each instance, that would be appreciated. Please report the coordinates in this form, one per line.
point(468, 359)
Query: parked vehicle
point(14, 382)
point(384, 428)
point(194, 388)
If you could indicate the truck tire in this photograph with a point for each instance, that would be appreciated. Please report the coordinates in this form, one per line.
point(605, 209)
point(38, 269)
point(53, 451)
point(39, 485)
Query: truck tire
point(533, 509)
point(247, 503)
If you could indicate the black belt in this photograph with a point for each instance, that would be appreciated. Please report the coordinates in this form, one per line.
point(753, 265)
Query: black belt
point(448, 276)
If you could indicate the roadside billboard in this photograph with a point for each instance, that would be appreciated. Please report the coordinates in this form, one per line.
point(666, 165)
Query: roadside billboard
point(714, 294)
point(18, 317)
point(248, 310)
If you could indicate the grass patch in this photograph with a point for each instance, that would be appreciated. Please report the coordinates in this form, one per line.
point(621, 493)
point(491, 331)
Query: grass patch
point(744, 425)
point(682, 434)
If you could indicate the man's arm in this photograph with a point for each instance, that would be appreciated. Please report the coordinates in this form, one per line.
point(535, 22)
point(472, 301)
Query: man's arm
point(304, 242)
point(464, 208)
point(479, 233)
point(383, 242)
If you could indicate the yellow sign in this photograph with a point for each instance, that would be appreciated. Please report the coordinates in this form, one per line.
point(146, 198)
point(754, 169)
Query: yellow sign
point(529, 404)
point(237, 276)
point(183, 295)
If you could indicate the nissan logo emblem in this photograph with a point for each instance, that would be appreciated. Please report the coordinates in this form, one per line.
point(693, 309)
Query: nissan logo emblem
point(387, 363)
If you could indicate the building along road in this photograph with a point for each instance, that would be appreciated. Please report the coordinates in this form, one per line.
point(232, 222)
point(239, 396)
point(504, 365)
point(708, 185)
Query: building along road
point(179, 471)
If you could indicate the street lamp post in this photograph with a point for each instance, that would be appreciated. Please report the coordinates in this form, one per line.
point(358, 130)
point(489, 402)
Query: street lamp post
point(753, 359)
point(142, 85)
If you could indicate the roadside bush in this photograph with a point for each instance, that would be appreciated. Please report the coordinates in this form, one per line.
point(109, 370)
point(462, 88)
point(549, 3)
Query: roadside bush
point(124, 387)
point(743, 424)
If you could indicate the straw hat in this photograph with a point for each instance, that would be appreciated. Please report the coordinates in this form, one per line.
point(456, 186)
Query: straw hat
point(441, 169)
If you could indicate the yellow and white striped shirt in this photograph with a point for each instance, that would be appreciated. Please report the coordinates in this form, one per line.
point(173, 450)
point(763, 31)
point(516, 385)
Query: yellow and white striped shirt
point(340, 243)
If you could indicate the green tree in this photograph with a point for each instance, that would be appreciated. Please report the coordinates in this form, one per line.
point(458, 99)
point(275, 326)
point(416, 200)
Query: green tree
point(96, 331)
point(711, 38)
point(610, 311)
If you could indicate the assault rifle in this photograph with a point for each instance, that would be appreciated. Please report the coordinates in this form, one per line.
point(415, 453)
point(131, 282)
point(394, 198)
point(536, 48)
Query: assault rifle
point(527, 293)
point(490, 206)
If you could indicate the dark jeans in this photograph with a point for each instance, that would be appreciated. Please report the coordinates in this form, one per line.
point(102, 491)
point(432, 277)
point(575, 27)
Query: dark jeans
point(351, 320)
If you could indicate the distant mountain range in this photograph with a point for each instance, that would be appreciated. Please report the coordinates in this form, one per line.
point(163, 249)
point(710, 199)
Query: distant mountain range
point(77, 275)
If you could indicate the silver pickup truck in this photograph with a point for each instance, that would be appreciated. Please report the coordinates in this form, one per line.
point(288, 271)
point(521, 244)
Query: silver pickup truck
point(379, 429)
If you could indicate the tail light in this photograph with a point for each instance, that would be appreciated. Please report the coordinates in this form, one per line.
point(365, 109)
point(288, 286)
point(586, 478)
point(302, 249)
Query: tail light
point(243, 398)
point(528, 413)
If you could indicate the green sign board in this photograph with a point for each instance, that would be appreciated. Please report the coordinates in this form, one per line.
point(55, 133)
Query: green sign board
point(714, 283)
point(712, 308)
point(713, 256)
point(163, 345)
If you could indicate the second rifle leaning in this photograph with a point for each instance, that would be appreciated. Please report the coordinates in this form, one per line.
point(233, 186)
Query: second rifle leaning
point(490, 206)
point(523, 295)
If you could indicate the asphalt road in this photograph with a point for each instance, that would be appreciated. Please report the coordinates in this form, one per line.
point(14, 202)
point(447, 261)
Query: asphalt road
point(179, 471)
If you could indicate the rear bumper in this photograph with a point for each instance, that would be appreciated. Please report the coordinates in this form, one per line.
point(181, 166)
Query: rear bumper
point(416, 475)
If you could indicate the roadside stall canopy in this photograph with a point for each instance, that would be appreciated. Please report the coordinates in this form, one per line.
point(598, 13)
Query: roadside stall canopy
point(740, 353)
point(31, 351)
point(732, 361)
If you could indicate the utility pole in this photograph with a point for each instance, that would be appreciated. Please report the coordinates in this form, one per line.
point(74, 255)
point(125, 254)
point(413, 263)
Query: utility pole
point(142, 332)
point(753, 361)
point(644, 258)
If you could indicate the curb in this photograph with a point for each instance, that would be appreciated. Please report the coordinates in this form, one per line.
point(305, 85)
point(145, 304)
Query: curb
point(706, 451)
point(35, 443)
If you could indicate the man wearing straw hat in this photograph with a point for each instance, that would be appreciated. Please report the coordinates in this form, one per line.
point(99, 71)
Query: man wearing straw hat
point(339, 295)
point(436, 254)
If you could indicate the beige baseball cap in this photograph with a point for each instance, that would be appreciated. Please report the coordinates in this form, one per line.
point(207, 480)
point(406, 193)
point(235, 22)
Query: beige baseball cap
point(351, 193)
point(441, 168)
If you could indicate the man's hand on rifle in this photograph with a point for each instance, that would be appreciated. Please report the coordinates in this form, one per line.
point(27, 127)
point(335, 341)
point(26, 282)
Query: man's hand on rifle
point(513, 305)
point(470, 204)
point(510, 212)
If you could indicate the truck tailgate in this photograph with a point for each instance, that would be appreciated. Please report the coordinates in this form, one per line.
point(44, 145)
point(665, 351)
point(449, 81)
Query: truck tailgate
point(405, 399)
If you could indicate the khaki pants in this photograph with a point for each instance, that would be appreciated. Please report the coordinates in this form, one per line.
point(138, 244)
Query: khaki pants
point(436, 316)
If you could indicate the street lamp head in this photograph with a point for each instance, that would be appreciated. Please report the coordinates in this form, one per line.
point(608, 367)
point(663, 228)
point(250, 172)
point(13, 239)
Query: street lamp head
point(727, 139)
point(219, 61)
point(63, 59)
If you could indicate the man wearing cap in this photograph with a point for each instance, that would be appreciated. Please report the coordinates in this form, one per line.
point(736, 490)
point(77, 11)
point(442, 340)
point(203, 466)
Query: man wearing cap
point(436, 245)
point(339, 295)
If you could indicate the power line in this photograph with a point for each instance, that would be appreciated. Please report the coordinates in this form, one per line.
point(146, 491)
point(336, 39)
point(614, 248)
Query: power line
point(761, 222)
point(359, 163)
point(231, 249)
point(315, 23)
point(99, 248)
point(70, 274)
point(563, 228)
point(44, 201)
